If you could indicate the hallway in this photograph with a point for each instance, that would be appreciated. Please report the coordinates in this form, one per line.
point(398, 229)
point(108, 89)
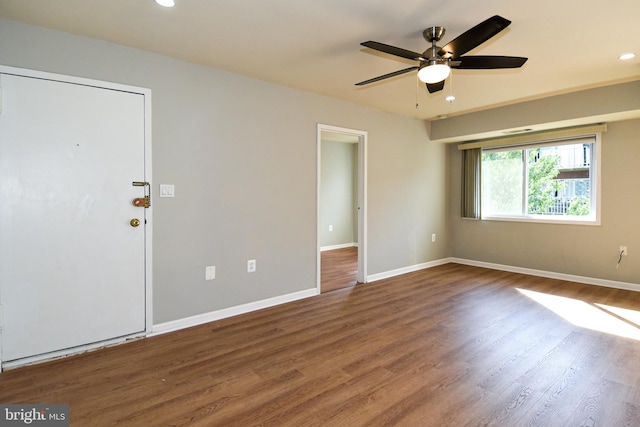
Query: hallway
point(339, 268)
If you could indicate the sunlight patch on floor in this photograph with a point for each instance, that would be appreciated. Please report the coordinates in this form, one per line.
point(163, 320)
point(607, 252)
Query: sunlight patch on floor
point(598, 317)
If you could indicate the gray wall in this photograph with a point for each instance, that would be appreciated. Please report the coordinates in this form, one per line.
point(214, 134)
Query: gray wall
point(242, 156)
point(338, 193)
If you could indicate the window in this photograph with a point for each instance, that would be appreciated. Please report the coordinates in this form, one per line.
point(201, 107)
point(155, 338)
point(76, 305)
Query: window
point(546, 181)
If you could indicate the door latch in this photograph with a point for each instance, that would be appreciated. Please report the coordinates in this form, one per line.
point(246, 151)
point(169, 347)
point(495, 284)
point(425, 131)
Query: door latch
point(142, 202)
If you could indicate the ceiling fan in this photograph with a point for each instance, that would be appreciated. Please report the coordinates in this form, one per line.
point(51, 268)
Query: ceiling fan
point(436, 62)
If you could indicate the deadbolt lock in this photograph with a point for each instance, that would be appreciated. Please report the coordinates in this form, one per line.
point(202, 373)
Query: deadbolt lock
point(134, 222)
point(142, 202)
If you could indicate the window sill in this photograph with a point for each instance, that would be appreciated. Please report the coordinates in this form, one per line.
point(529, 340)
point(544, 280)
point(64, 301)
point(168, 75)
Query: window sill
point(544, 220)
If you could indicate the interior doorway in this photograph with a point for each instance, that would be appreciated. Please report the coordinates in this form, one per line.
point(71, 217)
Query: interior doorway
point(341, 216)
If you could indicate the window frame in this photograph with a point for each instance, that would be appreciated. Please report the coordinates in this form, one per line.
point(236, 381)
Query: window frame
point(594, 175)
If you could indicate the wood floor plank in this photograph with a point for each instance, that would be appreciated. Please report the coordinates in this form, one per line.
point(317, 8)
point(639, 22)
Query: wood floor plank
point(338, 268)
point(451, 345)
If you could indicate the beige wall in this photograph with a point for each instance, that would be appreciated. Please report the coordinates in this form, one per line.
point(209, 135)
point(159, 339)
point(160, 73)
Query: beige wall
point(583, 250)
point(603, 104)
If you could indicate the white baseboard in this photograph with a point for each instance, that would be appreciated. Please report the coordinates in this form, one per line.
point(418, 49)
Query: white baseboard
point(340, 246)
point(530, 271)
point(405, 270)
point(163, 328)
point(550, 274)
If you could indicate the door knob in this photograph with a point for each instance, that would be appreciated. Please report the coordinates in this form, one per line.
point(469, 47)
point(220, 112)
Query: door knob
point(134, 222)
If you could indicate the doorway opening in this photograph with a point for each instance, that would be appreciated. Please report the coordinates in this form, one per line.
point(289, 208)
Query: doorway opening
point(341, 216)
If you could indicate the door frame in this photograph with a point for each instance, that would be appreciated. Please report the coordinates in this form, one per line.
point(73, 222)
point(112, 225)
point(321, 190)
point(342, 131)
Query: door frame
point(362, 197)
point(148, 228)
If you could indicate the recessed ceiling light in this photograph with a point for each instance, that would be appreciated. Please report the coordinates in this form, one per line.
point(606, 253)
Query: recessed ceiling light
point(166, 3)
point(626, 56)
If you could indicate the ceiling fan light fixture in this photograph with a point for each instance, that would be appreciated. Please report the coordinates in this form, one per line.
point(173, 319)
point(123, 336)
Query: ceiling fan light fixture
point(434, 73)
point(435, 63)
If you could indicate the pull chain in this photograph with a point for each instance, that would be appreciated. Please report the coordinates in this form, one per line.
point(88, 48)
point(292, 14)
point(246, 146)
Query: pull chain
point(451, 97)
point(417, 88)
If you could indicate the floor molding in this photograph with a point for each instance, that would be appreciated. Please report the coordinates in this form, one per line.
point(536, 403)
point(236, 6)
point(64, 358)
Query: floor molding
point(550, 274)
point(530, 271)
point(187, 322)
point(405, 270)
point(340, 246)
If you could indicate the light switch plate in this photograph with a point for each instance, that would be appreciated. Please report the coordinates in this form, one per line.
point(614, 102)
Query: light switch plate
point(167, 190)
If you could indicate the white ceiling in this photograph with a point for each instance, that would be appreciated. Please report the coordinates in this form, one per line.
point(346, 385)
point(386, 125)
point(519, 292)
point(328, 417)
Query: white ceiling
point(315, 45)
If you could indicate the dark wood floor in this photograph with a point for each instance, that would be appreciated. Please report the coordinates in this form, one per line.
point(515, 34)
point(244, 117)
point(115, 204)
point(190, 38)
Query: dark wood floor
point(338, 269)
point(449, 346)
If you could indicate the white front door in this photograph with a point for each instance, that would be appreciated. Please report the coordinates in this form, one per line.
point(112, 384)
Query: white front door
point(72, 267)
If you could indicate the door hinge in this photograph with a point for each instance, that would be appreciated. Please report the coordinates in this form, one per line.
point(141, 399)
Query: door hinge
point(1, 316)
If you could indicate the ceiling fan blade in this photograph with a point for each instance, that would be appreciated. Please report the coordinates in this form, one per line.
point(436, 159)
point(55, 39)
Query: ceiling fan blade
point(480, 62)
point(474, 37)
point(435, 87)
point(386, 76)
point(392, 50)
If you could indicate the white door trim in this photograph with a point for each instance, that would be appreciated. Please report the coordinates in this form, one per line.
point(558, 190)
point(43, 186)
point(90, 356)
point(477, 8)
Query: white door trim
point(148, 235)
point(362, 197)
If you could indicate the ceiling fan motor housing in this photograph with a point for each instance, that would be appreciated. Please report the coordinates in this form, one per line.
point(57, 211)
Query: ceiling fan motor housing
point(433, 34)
point(430, 56)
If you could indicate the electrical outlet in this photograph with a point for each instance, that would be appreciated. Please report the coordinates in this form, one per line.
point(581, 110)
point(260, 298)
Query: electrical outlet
point(623, 251)
point(433, 237)
point(251, 266)
point(331, 228)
